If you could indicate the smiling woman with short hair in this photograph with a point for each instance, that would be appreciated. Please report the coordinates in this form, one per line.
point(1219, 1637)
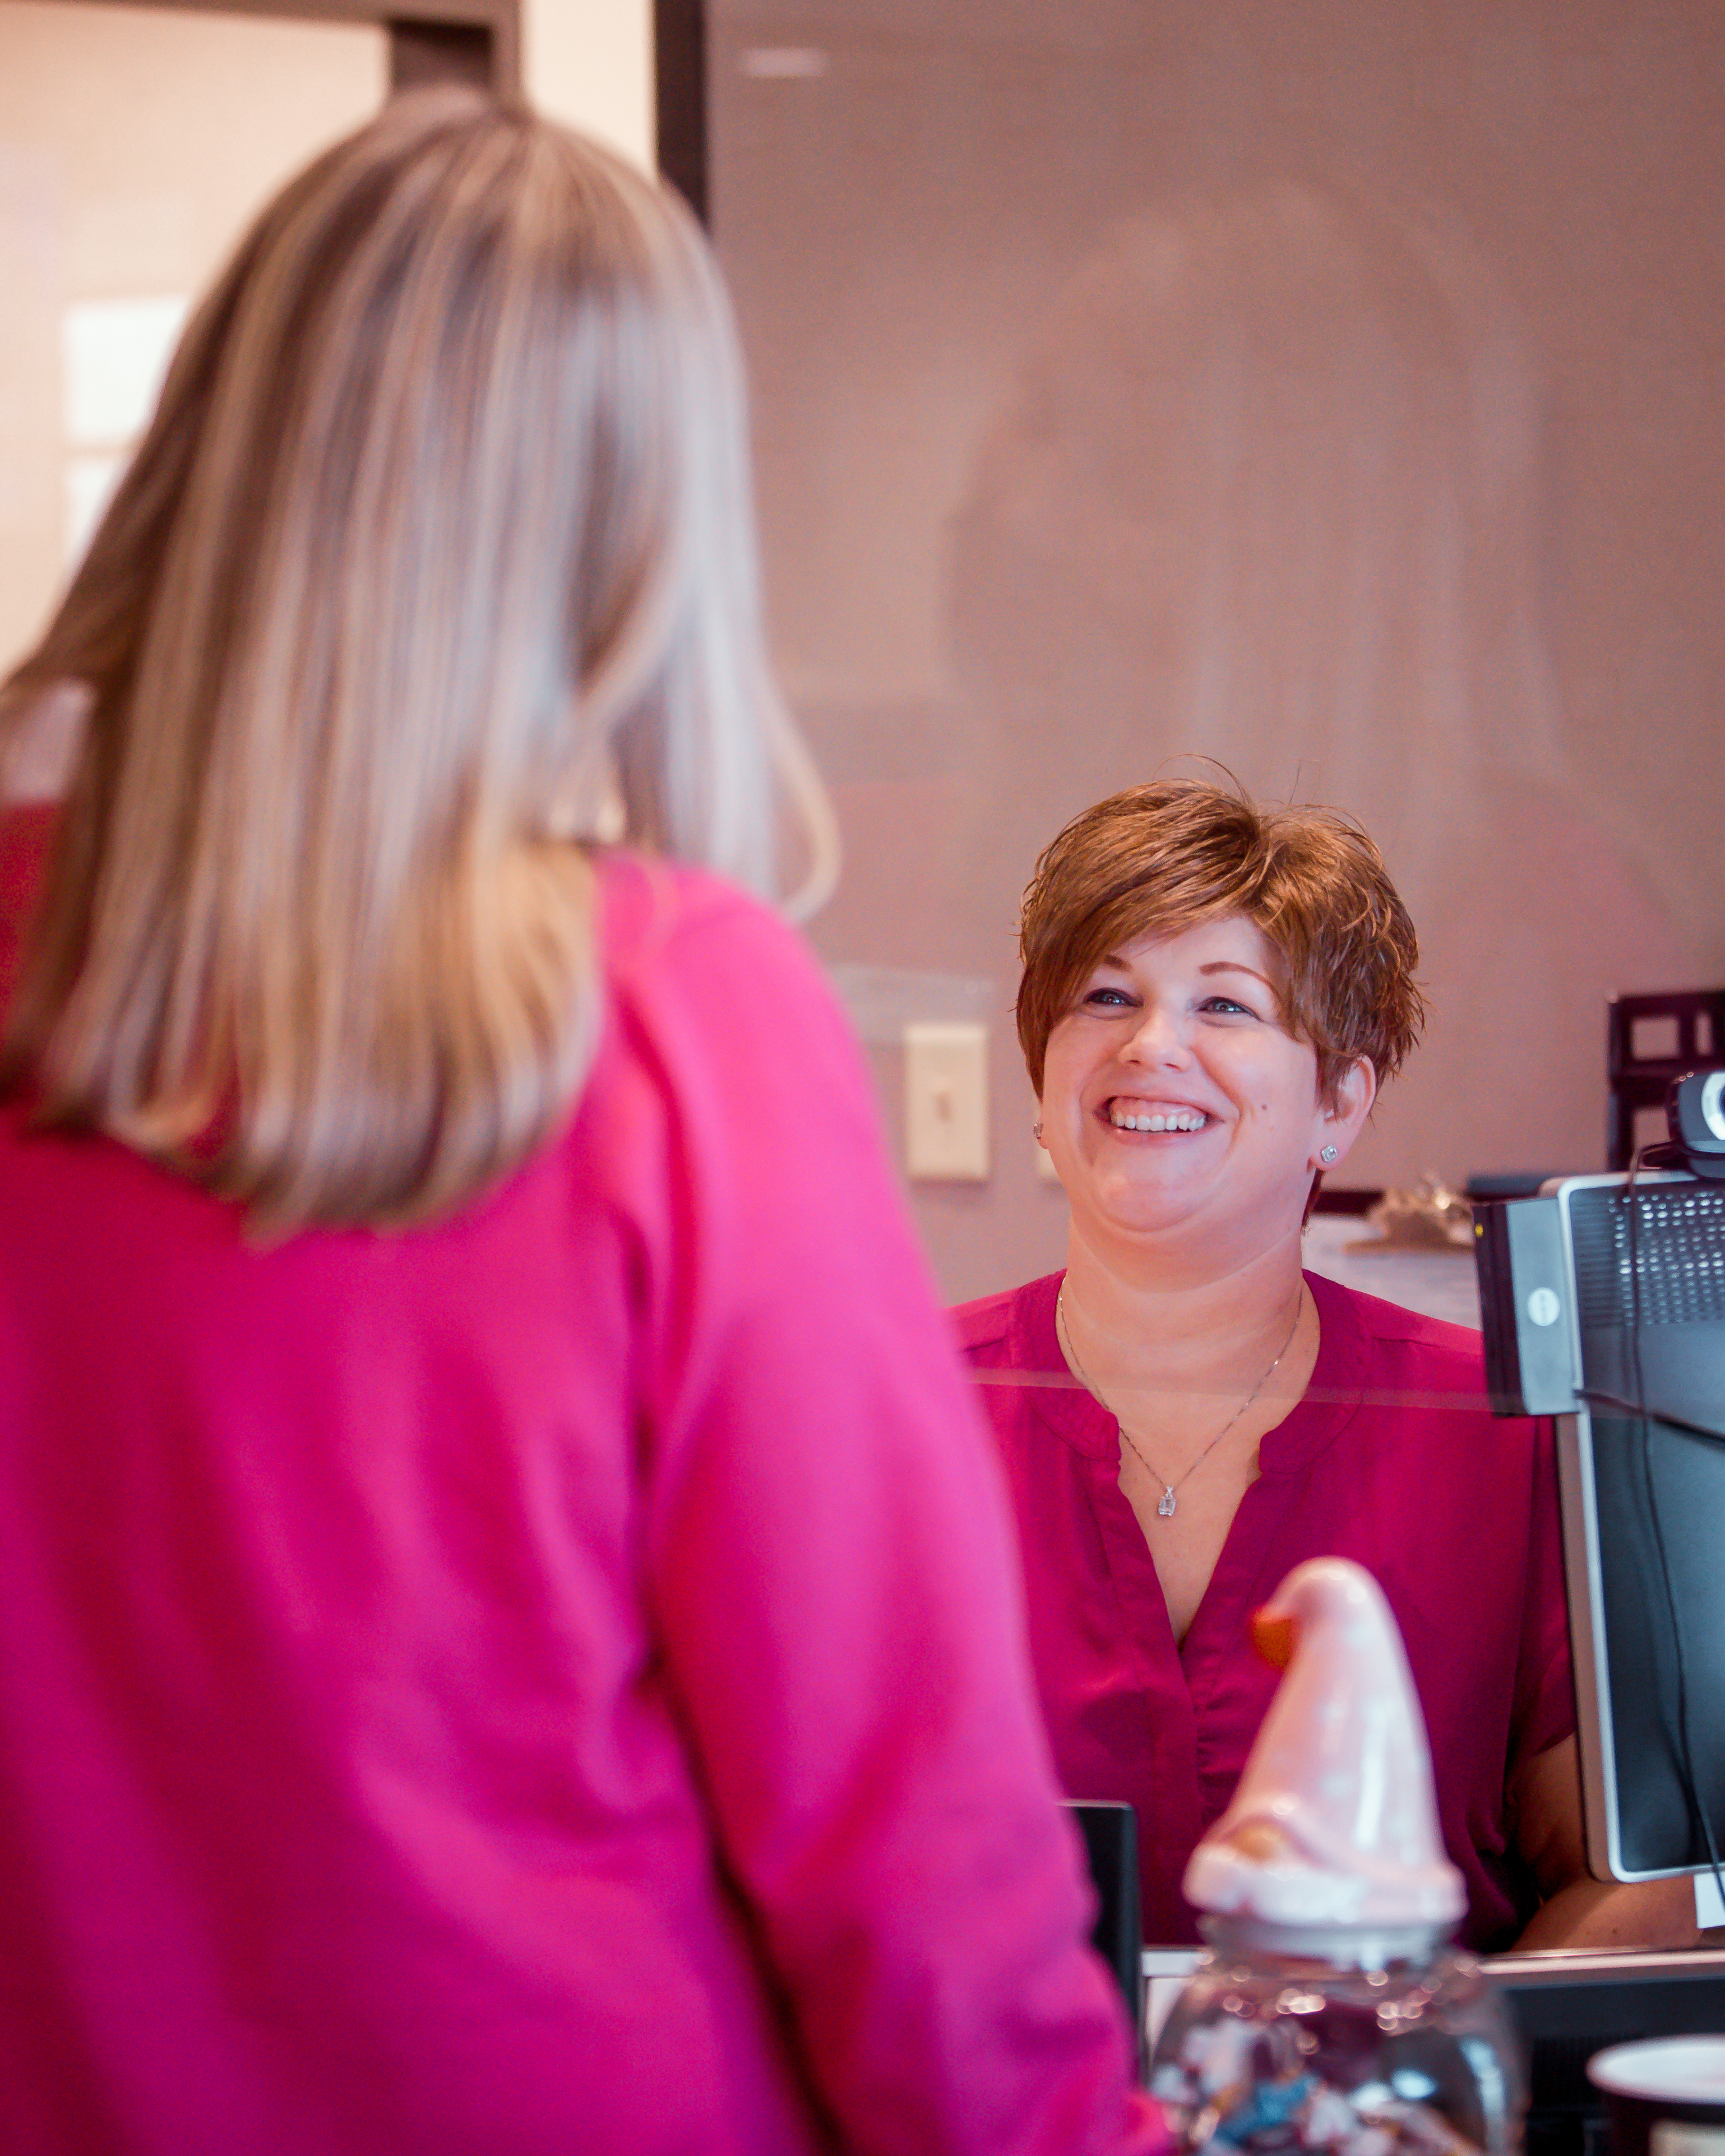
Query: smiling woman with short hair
point(1213, 993)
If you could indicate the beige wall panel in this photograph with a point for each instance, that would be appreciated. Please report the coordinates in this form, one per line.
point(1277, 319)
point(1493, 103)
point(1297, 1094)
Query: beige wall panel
point(589, 63)
point(134, 144)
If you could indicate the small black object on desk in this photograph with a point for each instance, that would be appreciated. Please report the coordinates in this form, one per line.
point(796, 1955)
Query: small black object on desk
point(1111, 1841)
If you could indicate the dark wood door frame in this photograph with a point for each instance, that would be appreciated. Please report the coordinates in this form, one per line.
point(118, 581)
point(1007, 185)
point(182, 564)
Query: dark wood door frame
point(680, 69)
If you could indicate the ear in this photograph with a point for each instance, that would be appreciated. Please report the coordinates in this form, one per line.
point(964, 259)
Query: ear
point(1340, 1120)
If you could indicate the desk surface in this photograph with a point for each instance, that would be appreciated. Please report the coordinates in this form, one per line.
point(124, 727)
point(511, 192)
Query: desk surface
point(1441, 1283)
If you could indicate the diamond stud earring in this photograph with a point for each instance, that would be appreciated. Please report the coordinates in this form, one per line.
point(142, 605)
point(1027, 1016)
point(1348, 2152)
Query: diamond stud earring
point(1327, 1155)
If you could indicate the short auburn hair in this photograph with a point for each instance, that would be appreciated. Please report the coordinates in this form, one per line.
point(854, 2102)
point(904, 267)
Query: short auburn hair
point(1158, 859)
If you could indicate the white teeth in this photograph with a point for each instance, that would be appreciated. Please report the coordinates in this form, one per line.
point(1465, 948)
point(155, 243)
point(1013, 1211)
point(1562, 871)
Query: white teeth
point(1176, 1119)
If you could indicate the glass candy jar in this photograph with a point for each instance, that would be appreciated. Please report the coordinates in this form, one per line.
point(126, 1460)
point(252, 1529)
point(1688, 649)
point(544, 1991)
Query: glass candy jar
point(1384, 2044)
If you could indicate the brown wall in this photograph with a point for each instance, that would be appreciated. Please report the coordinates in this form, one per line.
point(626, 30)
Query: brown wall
point(1332, 389)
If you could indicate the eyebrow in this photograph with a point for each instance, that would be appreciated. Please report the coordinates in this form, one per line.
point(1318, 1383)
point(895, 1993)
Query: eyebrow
point(1235, 965)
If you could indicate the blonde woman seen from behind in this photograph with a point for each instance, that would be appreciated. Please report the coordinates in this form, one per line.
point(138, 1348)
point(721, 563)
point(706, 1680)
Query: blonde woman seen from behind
point(510, 1642)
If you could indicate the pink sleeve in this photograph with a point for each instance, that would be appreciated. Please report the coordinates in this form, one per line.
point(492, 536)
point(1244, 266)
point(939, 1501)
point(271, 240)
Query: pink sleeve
point(830, 1567)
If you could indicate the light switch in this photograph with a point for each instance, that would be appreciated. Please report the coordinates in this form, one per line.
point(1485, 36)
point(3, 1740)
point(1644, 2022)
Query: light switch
point(946, 1103)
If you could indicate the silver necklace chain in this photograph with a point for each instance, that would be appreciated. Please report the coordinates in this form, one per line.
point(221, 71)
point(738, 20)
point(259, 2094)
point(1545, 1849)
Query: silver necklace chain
point(1165, 1506)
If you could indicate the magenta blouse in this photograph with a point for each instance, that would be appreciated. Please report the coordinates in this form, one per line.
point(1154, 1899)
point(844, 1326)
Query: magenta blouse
point(1392, 1459)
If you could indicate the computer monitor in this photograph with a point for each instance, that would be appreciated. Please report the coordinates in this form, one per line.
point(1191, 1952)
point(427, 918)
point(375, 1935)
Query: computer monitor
point(1644, 1503)
point(1604, 1301)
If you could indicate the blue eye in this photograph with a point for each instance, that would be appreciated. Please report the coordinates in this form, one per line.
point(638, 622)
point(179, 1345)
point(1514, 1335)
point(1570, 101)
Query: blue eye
point(1109, 998)
point(1228, 1007)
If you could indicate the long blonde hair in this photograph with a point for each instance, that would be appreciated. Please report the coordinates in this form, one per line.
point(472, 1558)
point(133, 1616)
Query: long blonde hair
point(442, 529)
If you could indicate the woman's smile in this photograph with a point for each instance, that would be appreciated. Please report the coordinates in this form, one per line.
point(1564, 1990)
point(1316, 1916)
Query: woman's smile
point(1129, 1115)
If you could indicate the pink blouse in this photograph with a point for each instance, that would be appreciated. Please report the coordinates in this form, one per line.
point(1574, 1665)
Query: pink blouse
point(553, 1681)
point(1392, 1459)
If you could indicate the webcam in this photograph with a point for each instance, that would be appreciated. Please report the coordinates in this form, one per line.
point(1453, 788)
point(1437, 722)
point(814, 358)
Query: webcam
point(1694, 1111)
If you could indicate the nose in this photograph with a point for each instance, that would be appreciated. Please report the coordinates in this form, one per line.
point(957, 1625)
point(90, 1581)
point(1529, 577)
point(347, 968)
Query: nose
point(1159, 1039)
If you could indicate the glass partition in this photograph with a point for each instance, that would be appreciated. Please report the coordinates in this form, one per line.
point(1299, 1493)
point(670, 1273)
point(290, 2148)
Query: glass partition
point(1337, 393)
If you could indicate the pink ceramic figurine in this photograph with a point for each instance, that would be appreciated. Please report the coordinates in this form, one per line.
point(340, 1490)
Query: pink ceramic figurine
point(1334, 1821)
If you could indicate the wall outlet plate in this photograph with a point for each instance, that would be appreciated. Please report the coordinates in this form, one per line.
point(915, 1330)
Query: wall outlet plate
point(947, 1102)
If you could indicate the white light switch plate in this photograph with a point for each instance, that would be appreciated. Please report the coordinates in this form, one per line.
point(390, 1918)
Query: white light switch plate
point(946, 1103)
